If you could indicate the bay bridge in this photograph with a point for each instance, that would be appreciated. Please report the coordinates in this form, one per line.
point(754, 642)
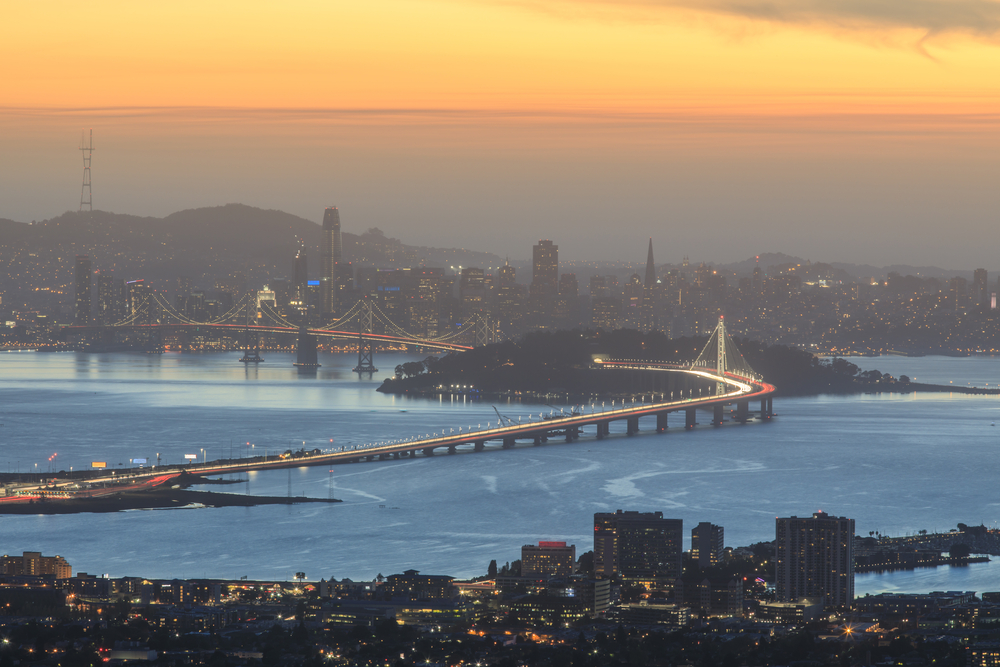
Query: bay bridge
point(154, 318)
point(718, 378)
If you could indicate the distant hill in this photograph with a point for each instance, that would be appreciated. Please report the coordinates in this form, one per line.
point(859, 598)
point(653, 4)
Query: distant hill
point(232, 246)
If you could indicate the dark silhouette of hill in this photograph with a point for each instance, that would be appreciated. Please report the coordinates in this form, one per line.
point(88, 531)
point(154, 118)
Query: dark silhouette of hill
point(559, 361)
point(232, 245)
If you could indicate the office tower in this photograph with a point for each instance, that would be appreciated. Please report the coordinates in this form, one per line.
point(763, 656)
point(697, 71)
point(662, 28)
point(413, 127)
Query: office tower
point(640, 547)
point(300, 276)
point(137, 297)
point(506, 274)
point(548, 559)
point(545, 268)
point(757, 283)
point(81, 313)
point(650, 267)
point(632, 302)
point(331, 255)
point(472, 289)
point(707, 544)
point(509, 301)
point(815, 559)
point(979, 288)
point(647, 314)
point(110, 297)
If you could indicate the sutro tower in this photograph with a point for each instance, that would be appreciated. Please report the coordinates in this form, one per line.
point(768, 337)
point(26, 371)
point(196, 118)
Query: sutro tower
point(86, 195)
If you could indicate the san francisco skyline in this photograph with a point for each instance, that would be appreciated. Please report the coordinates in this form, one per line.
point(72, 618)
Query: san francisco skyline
point(865, 135)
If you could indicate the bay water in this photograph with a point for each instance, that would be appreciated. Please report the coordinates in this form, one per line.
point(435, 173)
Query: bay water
point(895, 463)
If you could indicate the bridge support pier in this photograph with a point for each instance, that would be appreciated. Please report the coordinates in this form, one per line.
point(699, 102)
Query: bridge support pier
point(690, 418)
point(572, 434)
point(766, 407)
point(428, 451)
point(451, 449)
point(538, 441)
point(508, 443)
point(395, 455)
point(717, 415)
point(742, 411)
point(633, 426)
point(603, 429)
point(661, 421)
point(479, 445)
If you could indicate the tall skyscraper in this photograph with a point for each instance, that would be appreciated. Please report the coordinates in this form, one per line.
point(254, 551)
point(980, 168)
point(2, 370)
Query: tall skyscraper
point(331, 256)
point(640, 547)
point(545, 268)
point(707, 544)
point(979, 287)
point(648, 320)
point(110, 299)
point(650, 268)
point(300, 276)
point(81, 312)
point(814, 558)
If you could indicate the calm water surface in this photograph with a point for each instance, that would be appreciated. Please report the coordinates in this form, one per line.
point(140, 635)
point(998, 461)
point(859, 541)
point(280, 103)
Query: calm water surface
point(897, 464)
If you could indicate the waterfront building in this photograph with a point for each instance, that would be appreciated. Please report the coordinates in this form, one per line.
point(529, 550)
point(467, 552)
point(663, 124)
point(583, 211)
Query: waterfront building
point(35, 564)
point(81, 311)
point(548, 559)
point(707, 544)
point(814, 558)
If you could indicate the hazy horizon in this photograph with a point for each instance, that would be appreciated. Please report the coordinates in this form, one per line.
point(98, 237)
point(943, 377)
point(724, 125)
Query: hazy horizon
point(721, 130)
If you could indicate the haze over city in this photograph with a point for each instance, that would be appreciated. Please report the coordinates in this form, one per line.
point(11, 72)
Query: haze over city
point(830, 132)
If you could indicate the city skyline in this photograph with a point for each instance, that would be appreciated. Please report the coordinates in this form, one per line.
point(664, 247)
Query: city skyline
point(817, 130)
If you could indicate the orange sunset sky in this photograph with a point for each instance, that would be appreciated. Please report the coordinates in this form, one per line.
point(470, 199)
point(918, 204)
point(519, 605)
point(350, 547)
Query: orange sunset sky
point(863, 131)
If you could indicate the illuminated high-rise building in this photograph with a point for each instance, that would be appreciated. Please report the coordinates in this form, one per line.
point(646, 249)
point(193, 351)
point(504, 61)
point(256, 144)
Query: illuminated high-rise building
point(814, 558)
point(506, 275)
point(331, 255)
point(548, 559)
point(110, 299)
point(648, 320)
point(81, 311)
point(640, 547)
point(707, 544)
point(545, 268)
point(980, 290)
point(300, 276)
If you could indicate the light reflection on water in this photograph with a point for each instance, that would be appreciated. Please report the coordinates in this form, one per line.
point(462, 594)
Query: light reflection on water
point(896, 464)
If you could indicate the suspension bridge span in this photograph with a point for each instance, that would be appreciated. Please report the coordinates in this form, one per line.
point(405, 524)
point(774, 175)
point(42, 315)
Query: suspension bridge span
point(722, 376)
point(154, 317)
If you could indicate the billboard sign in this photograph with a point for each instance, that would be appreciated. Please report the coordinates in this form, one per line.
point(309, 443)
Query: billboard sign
point(98, 464)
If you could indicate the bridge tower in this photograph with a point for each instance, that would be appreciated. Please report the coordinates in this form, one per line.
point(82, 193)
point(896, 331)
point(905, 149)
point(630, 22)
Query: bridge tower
point(365, 354)
point(484, 329)
point(251, 355)
point(305, 349)
point(720, 362)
